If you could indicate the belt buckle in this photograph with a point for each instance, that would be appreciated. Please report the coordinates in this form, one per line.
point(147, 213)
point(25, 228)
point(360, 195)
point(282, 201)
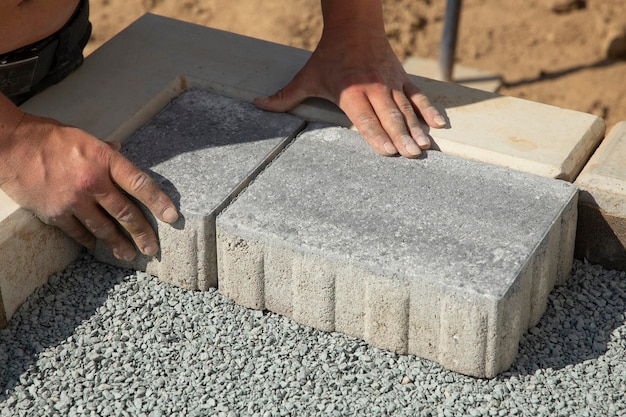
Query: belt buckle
point(17, 77)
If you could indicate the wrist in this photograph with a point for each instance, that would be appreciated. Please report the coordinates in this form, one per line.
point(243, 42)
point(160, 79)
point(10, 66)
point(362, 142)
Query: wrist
point(346, 15)
point(10, 118)
point(11, 146)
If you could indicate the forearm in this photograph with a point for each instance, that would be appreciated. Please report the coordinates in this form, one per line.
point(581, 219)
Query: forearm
point(10, 118)
point(348, 12)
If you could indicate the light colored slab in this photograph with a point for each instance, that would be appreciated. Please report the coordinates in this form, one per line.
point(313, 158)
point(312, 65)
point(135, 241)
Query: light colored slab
point(30, 252)
point(468, 77)
point(602, 229)
point(201, 150)
point(445, 258)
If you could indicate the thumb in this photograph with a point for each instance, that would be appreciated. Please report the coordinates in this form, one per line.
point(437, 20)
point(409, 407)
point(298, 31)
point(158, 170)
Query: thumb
point(284, 99)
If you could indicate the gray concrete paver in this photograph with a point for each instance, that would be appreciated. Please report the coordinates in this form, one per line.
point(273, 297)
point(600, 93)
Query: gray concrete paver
point(201, 150)
point(446, 258)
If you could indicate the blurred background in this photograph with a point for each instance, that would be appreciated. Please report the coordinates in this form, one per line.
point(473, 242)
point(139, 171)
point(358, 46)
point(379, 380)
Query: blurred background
point(568, 53)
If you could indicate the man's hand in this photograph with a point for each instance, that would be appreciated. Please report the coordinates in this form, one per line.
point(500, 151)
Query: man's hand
point(70, 179)
point(354, 67)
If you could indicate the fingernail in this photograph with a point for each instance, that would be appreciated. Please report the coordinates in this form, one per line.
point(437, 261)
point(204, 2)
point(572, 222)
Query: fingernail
point(440, 120)
point(390, 149)
point(170, 215)
point(151, 249)
point(413, 149)
point(423, 141)
point(410, 145)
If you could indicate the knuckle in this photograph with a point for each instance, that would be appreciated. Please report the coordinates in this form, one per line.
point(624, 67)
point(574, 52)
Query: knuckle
point(143, 236)
point(395, 116)
point(126, 214)
point(58, 216)
point(83, 237)
point(139, 181)
point(406, 108)
point(415, 125)
point(280, 94)
point(367, 120)
point(104, 230)
point(422, 101)
point(88, 182)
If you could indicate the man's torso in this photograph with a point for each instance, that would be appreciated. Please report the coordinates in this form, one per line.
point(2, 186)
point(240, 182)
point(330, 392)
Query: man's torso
point(23, 22)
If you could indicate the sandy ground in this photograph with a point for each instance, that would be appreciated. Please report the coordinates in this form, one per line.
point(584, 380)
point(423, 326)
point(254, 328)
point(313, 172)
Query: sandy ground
point(545, 50)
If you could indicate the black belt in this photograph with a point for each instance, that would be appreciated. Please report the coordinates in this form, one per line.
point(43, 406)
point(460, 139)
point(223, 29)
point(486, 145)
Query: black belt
point(28, 70)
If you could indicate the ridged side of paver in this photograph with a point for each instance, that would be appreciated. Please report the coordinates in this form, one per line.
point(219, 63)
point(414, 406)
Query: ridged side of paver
point(602, 219)
point(441, 257)
point(202, 150)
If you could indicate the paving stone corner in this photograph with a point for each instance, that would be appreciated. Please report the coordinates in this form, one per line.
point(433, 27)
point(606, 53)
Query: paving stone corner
point(31, 252)
point(601, 234)
point(201, 150)
point(407, 277)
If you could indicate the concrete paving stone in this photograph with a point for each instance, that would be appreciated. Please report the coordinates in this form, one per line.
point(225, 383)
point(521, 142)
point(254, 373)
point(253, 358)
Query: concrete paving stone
point(201, 150)
point(30, 252)
point(469, 77)
point(601, 234)
point(442, 257)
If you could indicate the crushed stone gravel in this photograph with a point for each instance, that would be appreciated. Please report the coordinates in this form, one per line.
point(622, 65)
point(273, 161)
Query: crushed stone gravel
point(103, 341)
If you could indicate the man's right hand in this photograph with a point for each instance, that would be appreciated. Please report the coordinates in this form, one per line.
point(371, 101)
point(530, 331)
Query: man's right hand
point(72, 180)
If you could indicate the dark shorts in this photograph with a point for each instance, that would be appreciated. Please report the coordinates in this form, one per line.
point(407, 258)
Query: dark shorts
point(31, 69)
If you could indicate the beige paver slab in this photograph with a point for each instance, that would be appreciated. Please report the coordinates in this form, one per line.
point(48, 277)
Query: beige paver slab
point(30, 252)
point(601, 236)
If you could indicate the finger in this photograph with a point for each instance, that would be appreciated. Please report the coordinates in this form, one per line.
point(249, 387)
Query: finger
point(104, 228)
point(139, 185)
point(130, 217)
point(283, 100)
point(359, 110)
point(414, 125)
point(393, 122)
point(423, 105)
point(288, 97)
point(75, 229)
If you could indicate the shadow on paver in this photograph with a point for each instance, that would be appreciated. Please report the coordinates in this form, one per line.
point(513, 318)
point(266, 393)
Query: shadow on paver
point(52, 314)
point(578, 323)
point(552, 75)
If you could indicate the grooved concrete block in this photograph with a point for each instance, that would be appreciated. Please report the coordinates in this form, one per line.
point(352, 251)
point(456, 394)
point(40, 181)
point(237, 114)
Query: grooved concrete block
point(602, 222)
point(445, 258)
point(202, 150)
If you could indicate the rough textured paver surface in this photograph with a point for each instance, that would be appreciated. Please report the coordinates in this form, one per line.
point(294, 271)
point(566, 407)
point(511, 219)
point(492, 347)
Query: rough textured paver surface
point(201, 150)
point(445, 258)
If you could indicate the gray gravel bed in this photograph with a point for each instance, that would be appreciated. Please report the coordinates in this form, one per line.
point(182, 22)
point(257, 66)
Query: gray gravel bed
point(103, 341)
